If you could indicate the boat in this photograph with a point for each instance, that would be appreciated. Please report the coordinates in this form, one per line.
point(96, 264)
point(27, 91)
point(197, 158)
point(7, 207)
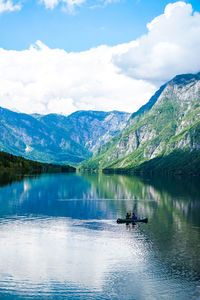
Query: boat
point(136, 220)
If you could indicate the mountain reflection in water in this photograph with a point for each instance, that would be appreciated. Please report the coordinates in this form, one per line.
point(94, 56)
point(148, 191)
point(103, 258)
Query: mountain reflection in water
point(59, 237)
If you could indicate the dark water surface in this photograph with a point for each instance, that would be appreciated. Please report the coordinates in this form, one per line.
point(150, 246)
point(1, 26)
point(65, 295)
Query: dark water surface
point(59, 238)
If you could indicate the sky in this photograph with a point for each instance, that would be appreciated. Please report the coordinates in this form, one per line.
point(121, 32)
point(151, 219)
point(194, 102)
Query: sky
point(59, 56)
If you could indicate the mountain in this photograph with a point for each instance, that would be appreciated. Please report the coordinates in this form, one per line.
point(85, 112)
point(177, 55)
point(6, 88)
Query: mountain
point(56, 138)
point(163, 135)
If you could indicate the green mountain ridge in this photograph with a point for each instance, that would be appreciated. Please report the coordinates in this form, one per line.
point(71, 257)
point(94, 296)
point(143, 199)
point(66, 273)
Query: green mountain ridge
point(162, 136)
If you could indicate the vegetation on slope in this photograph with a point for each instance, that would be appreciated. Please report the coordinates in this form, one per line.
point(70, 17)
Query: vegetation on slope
point(9, 162)
point(178, 162)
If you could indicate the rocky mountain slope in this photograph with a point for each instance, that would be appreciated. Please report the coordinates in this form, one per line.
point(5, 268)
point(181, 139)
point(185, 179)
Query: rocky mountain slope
point(167, 127)
point(56, 138)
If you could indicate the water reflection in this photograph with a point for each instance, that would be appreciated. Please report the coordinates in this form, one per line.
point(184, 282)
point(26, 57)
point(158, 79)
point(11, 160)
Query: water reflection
point(59, 237)
point(8, 178)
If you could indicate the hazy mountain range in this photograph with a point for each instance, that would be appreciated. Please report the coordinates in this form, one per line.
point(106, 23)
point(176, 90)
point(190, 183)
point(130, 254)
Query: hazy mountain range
point(56, 138)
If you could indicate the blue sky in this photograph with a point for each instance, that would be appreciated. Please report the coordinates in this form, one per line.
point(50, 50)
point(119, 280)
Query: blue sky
point(111, 24)
point(59, 56)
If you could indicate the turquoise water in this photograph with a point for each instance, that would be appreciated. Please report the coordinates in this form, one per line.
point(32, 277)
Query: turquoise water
point(59, 238)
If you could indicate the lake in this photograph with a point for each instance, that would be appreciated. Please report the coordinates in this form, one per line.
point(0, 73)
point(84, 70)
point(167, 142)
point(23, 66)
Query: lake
point(59, 238)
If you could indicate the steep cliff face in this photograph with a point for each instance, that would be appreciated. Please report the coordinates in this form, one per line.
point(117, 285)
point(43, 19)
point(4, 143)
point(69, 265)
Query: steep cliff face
point(55, 138)
point(169, 121)
point(90, 129)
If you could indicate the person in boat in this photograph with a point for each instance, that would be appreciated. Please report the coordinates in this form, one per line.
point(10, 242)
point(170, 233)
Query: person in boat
point(134, 216)
point(128, 215)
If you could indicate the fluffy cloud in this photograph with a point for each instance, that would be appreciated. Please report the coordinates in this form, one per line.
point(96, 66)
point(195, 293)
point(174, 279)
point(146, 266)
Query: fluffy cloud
point(171, 46)
point(8, 6)
point(122, 77)
point(47, 80)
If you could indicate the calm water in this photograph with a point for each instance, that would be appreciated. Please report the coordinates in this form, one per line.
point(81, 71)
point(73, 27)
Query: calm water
point(59, 238)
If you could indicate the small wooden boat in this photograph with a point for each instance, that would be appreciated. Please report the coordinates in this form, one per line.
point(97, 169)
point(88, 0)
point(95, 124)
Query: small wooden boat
point(132, 220)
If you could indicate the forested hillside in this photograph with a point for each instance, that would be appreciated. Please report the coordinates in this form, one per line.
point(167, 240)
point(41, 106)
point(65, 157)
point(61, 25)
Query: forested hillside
point(9, 162)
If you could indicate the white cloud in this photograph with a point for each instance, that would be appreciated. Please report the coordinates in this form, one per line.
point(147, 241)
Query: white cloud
point(122, 77)
point(171, 46)
point(47, 80)
point(8, 6)
point(69, 4)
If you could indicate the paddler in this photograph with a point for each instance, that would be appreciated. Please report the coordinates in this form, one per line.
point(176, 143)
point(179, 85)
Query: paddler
point(134, 216)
